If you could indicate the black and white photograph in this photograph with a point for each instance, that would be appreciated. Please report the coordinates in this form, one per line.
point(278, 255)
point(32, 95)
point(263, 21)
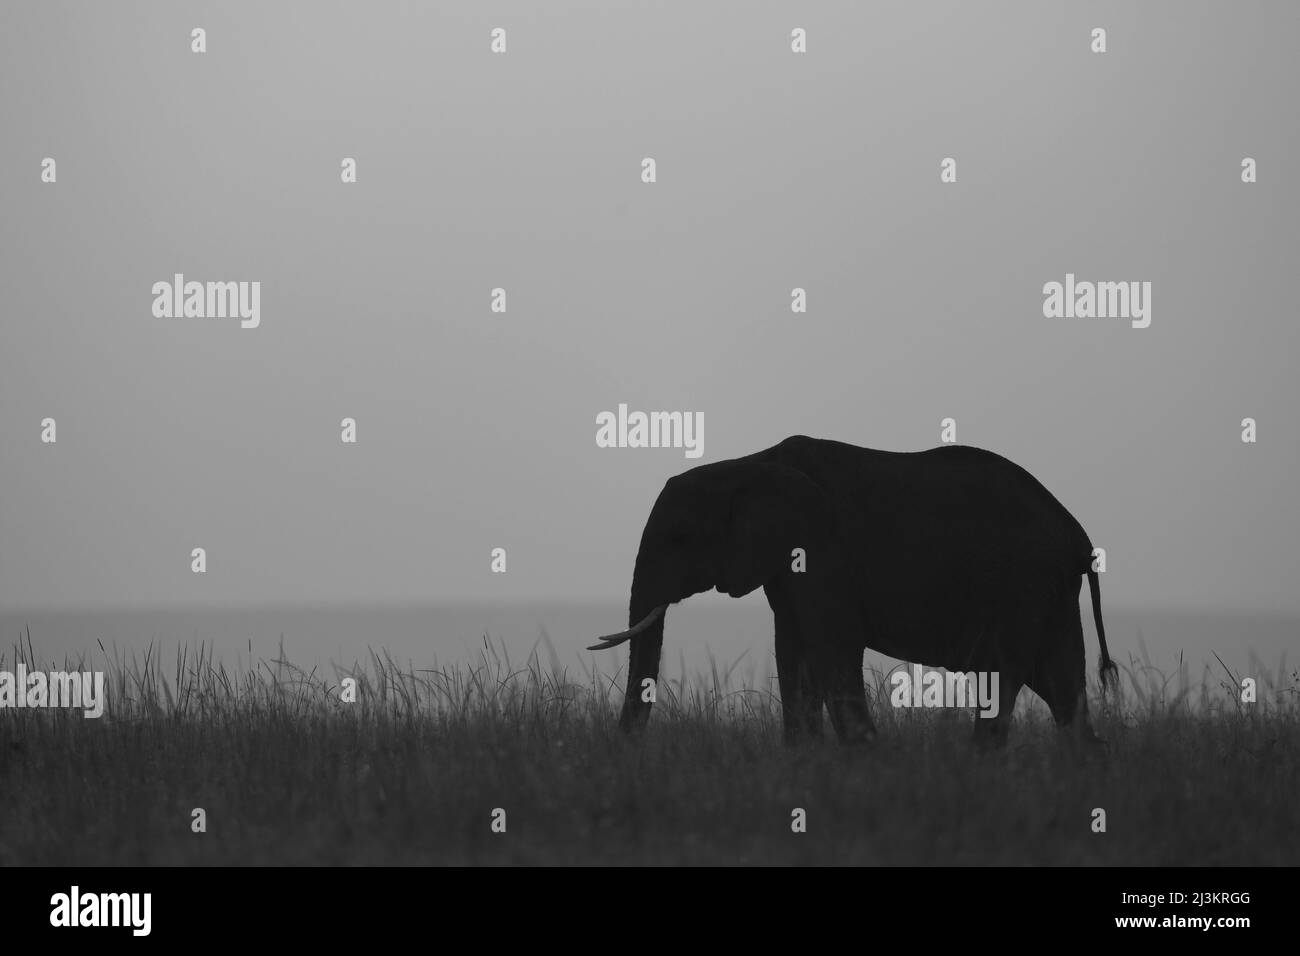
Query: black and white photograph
point(621, 434)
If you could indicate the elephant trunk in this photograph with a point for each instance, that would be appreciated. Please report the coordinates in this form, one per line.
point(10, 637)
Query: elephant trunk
point(646, 618)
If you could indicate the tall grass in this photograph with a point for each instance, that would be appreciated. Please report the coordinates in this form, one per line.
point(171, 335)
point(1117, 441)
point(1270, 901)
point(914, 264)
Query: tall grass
point(286, 771)
point(192, 684)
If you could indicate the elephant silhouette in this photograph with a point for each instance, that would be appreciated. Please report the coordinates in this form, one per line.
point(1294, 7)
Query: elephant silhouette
point(951, 557)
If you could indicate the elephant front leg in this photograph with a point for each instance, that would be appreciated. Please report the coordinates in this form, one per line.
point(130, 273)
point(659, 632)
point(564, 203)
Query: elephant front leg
point(801, 700)
point(846, 695)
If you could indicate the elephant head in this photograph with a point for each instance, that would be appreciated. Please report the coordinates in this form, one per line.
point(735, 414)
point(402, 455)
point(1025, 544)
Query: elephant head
point(729, 526)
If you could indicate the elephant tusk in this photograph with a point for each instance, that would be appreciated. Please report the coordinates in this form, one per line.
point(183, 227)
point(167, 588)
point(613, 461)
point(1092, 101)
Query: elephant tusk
point(613, 640)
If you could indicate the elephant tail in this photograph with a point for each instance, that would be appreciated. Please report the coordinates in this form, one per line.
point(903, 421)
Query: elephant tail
point(1106, 668)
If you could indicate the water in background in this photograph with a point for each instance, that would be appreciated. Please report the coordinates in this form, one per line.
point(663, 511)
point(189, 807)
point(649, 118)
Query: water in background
point(702, 630)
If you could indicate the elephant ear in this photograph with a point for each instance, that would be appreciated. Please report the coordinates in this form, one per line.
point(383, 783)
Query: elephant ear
point(774, 509)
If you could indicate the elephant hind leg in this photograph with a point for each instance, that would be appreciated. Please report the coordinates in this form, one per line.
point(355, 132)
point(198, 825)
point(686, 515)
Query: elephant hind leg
point(1060, 678)
point(993, 731)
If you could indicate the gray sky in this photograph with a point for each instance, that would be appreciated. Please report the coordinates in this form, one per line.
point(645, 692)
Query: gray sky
point(775, 170)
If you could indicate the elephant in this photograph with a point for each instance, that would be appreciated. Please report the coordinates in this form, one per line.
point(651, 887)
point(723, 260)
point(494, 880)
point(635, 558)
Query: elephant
point(950, 557)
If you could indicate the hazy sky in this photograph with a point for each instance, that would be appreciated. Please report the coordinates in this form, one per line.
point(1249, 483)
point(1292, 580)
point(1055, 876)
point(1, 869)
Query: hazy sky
point(523, 171)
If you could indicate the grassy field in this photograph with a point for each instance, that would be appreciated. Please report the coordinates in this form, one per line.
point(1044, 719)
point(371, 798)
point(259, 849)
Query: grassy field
point(412, 772)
